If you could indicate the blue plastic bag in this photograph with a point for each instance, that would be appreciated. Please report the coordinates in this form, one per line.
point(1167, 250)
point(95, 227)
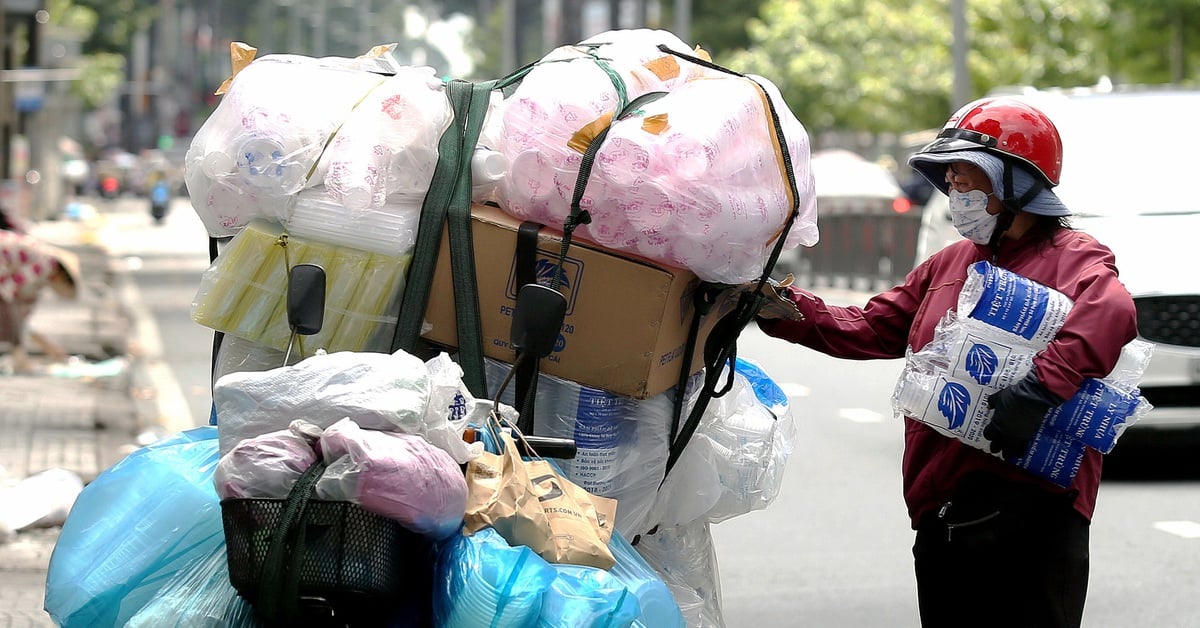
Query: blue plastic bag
point(151, 515)
point(483, 581)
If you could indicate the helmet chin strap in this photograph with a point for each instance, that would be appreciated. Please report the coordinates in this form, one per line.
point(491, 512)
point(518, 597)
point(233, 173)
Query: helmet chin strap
point(1012, 205)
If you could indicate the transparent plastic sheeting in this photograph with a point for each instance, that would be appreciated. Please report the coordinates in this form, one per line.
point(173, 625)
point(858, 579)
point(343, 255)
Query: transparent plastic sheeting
point(244, 292)
point(692, 180)
point(733, 464)
point(326, 146)
point(483, 581)
point(686, 559)
point(1009, 320)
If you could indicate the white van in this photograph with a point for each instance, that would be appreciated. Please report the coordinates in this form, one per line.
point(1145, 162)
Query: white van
point(1131, 177)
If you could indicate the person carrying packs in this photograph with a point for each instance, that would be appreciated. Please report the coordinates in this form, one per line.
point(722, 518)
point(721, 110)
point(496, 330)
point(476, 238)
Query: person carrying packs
point(995, 545)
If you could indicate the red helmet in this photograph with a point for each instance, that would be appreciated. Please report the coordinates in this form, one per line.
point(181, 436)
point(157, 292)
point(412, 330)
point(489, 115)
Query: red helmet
point(1007, 128)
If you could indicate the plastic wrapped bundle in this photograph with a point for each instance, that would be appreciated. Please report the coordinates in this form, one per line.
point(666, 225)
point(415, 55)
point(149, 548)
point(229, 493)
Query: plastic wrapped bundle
point(147, 518)
point(243, 293)
point(697, 187)
point(736, 459)
point(266, 135)
point(290, 122)
point(483, 581)
point(686, 559)
point(1010, 303)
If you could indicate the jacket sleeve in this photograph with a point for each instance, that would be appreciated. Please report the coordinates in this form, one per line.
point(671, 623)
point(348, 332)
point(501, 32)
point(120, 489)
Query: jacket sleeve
point(878, 330)
point(1101, 321)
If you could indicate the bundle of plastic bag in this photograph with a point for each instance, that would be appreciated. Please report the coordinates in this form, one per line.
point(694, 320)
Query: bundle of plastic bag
point(1003, 321)
point(152, 515)
point(686, 559)
point(379, 390)
point(244, 292)
point(483, 581)
point(399, 476)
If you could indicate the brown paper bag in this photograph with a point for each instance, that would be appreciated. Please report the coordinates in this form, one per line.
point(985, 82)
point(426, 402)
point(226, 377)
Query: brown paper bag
point(581, 523)
point(500, 495)
point(529, 503)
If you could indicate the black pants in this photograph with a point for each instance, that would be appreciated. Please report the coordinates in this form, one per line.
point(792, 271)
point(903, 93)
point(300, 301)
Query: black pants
point(998, 556)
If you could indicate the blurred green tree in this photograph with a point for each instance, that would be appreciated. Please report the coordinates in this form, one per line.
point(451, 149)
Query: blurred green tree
point(885, 65)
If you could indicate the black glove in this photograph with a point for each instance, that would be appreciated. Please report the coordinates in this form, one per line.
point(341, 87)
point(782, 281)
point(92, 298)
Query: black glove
point(1019, 410)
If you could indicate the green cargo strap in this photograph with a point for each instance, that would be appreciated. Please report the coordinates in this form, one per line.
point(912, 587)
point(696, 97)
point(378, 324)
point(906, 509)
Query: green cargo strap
point(279, 583)
point(448, 203)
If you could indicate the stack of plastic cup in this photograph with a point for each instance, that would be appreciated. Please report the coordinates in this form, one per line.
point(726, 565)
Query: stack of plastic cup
point(494, 584)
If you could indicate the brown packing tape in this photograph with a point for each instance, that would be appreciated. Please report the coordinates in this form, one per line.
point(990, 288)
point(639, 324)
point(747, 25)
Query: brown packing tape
point(582, 138)
point(240, 55)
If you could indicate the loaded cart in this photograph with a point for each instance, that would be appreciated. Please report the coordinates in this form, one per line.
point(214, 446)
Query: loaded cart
point(475, 342)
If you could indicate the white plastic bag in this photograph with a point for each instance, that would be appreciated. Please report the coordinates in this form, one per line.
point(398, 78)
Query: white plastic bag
point(380, 391)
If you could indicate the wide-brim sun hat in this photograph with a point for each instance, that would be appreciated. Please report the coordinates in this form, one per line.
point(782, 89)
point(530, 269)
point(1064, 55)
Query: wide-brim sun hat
point(932, 166)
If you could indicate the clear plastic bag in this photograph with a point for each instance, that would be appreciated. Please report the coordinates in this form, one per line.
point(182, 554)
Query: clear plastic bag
point(200, 597)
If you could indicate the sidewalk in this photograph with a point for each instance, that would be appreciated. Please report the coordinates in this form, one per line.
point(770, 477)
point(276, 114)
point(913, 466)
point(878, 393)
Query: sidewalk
point(67, 416)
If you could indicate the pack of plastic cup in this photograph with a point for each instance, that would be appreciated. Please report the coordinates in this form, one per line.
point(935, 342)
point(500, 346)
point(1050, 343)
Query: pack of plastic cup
point(1008, 320)
point(695, 179)
point(365, 129)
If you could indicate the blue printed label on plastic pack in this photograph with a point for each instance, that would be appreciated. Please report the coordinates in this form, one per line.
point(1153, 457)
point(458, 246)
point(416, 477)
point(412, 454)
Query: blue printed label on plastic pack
point(1011, 302)
point(1094, 414)
point(1053, 457)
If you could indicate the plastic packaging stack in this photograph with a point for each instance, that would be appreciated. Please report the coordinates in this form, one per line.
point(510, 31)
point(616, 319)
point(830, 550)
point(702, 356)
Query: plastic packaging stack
point(381, 391)
point(1008, 320)
point(694, 180)
point(483, 581)
point(331, 147)
point(244, 292)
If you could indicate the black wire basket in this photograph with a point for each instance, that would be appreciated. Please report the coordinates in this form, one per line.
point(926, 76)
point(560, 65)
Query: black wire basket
point(327, 558)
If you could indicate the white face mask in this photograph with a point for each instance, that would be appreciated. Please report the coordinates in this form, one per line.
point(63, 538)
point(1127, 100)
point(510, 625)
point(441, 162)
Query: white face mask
point(968, 210)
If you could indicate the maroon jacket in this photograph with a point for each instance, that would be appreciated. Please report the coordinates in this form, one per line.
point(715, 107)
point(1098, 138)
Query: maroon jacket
point(1101, 322)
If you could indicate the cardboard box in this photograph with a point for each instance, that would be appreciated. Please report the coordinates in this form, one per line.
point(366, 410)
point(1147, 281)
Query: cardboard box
point(627, 320)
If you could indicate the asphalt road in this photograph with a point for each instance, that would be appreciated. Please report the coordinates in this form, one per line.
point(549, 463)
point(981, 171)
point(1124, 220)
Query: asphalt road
point(834, 550)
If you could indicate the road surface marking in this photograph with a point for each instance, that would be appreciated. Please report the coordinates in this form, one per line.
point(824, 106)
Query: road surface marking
point(1185, 529)
point(792, 389)
point(860, 415)
point(174, 413)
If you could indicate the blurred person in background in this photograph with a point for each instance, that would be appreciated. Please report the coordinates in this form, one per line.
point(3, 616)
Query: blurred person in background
point(995, 545)
point(27, 266)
